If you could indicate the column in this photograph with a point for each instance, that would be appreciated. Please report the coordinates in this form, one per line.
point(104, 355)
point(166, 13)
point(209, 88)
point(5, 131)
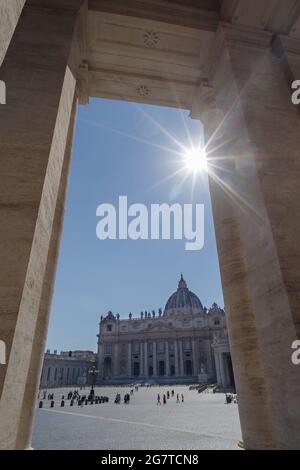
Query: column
point(256, 215)
point(194, 354)
point(154, 359)
point(218, 372)
point(222, 370)
point(146, 368)
point(181, 363)
point(141, 358)
point(176, 357)
point(129, 360)
point(116, 359)
point(34, 155)
point(167, 355)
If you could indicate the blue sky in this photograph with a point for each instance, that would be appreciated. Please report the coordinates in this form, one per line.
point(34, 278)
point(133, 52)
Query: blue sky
point(126, 149)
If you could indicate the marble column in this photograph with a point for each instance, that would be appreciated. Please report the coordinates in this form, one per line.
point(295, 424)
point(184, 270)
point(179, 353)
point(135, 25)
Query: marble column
point(256, 225)
point(218, 371)
point(116, 359)
point(35, 130)
point(222, 370)
point(129, 360)
point(154, 358)
point(194, 355)
point(181, 361)
point(141, 358)
point(176, 357)
point(146, 368)
point(167, 356)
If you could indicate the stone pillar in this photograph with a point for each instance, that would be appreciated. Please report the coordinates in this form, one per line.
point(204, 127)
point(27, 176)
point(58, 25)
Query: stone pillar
point(154, 358)
point(181, 363)
point(146, 369)
point(167, 355)
point(35, 133)
point(10, 13)
point(218, 372)
point(129, 361)
point(176, 357)
point(116, 359)
point(255, 197)
point(194, 355)
point(141, 358)
point(222, 370)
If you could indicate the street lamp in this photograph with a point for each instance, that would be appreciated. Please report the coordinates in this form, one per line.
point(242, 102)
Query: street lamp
point(93, 371)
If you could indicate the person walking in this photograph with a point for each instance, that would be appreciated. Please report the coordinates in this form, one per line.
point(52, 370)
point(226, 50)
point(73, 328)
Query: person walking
point(182, 398)
point(177, 398)
point(158, 400)
point(164, 399)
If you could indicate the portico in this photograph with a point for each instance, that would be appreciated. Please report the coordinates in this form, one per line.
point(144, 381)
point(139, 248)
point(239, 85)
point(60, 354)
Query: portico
point(231, 63)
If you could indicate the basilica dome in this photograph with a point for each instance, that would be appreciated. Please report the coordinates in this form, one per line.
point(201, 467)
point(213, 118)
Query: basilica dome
point(183, 299)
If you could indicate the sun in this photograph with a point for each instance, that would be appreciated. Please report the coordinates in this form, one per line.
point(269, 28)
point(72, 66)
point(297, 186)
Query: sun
point(195, 160)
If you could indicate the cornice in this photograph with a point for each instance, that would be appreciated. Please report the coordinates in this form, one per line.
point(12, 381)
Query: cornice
point(168, 12)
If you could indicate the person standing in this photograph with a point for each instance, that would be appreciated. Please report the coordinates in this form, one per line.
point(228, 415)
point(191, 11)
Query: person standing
point(177, 398)
point(182, 398)
point(158, 399)
point(164, 399)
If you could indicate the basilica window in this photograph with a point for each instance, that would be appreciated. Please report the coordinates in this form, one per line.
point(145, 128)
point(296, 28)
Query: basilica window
point(161, 346)
point(107, 348)
point(136, 347)
point(109, 327)
point(187, 344)
point(216, 321)
point(171, 346)
point(150, 346)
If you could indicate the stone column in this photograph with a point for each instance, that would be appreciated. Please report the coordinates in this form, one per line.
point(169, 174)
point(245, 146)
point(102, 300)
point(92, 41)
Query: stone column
point(146, 369)
point(167, 371)
point(222, 370)
point(176, 357)
point(129, 361)
point(218, 372)
point(154, 358)
point(141, 358)
point(116, 359)
point(181, 363)
point(35, 133)
point(255, 197)
point(194, 355)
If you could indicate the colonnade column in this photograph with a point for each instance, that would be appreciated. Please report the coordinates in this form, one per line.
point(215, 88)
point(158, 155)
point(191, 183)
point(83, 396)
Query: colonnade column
point(154, 358)
point(141, 358)
point(194, 355)
point(129, 360)
point(218, 372)
point(255, 198)
point(35, 156)
point(146, 369)
point(181, 363)
point(176, 357)
point(167, 371)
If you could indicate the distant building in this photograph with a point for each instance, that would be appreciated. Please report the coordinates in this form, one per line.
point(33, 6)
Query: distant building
point(68, 368)
point(183, 344)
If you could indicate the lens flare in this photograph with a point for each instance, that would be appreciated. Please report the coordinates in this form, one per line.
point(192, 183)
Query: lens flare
point(195, 160)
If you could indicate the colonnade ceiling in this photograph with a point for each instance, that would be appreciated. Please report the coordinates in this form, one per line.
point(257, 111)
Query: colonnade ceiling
point(155, 51)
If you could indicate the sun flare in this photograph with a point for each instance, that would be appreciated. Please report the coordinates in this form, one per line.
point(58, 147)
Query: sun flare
point(195, 160)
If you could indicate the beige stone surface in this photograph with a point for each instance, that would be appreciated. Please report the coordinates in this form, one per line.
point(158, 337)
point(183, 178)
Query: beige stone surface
point(9, 15)
point(32, 155)
point(257, 212)
point(261, 180)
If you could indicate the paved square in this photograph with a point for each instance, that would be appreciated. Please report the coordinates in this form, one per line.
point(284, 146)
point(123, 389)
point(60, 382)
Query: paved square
point(203, 421)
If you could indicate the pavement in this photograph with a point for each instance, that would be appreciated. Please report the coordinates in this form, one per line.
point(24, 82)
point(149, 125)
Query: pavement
point(202, 421)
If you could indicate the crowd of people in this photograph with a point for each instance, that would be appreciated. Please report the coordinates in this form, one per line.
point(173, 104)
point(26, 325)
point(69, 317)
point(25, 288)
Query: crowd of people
point(168, 395)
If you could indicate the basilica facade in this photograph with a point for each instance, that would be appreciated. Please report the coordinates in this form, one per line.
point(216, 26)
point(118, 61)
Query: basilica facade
point(184, 343)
